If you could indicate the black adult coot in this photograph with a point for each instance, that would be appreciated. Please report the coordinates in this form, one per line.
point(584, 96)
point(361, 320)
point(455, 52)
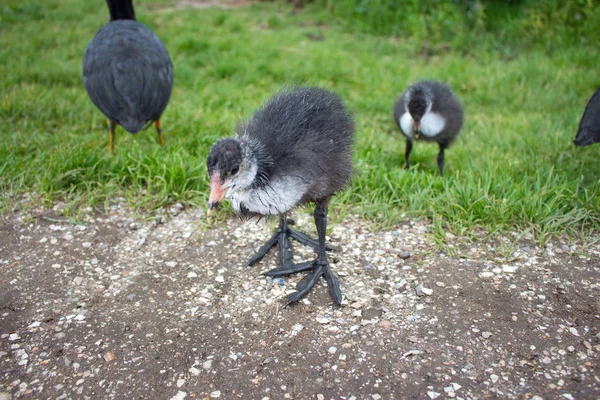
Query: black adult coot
point(428, 110)
point(295, 150)
point(589, 127)
point(127, 72)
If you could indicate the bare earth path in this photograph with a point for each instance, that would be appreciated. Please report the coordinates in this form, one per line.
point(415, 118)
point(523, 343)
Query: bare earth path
point(122, 310)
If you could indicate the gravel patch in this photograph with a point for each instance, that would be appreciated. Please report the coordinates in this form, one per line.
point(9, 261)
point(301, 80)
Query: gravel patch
point(117, 307)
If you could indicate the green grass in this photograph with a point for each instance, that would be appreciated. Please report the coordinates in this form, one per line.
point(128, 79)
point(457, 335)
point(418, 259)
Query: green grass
point(513, 167)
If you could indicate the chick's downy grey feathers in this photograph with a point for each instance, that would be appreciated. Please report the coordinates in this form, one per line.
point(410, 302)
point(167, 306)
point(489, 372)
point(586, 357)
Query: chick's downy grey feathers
point(307, 134)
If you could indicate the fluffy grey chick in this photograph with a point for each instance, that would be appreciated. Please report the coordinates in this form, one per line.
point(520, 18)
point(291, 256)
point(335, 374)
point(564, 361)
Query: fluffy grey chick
point(297, 149)
point(589, 127)
point(127, 72)
point(429, 111)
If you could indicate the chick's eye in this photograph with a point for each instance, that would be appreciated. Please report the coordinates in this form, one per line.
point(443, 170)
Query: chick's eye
point(235, 170)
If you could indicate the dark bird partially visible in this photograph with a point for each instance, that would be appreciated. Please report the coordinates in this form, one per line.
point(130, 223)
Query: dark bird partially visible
point(428, 110)
point(589, 127)
point(295, 150)
point(127, 72)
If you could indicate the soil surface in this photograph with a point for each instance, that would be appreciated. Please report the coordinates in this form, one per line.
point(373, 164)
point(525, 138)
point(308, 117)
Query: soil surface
point(164, 308)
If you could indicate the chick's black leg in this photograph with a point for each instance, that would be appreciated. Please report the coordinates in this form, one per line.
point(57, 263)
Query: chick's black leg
point(281, 236)
point(112, 126)
point(440, 158)
point(409, 145)
point(264, 249)
point(320, 266)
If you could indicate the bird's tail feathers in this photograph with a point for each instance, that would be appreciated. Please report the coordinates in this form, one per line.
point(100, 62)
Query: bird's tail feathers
point(132, 126)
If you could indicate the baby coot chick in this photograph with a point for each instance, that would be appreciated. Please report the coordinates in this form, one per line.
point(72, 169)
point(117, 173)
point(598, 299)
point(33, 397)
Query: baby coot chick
point(428, 110)
point(295, 150)
point(589, 127)
point(127, 72)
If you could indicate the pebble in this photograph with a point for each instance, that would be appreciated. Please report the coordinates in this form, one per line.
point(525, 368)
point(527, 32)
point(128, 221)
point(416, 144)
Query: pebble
point(332, 350)
point(573, 331)
point(509, 269)
point(171, 264)
point(433, 395)
point(215, 395)
point(192, 274)
point(385, 324)
point(422, 290)
point(179, 396)
point(486, 334)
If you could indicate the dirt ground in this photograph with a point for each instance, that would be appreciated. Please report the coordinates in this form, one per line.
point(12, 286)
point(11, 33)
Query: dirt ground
point(161, 308)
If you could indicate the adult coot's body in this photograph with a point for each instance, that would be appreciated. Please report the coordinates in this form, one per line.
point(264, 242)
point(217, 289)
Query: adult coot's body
point(589, 127)
point(127, 72)
point(429, 111)
point(295, 150)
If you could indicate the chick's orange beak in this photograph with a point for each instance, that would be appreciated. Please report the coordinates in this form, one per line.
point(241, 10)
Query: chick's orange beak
point(217, 193)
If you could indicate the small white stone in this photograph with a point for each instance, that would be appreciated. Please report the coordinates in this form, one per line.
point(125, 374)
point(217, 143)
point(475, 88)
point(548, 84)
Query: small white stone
point(14, 336)
point(220, 278)
point(179, 396)
point(207, 364)
point(486, 274)
point(180, 382)
point(494, 378)
point(332, 350)
point(433, 395)
point(192, 275)
point(427, 291)
point(575, 333)
point(215, 395)
point(171, 264)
